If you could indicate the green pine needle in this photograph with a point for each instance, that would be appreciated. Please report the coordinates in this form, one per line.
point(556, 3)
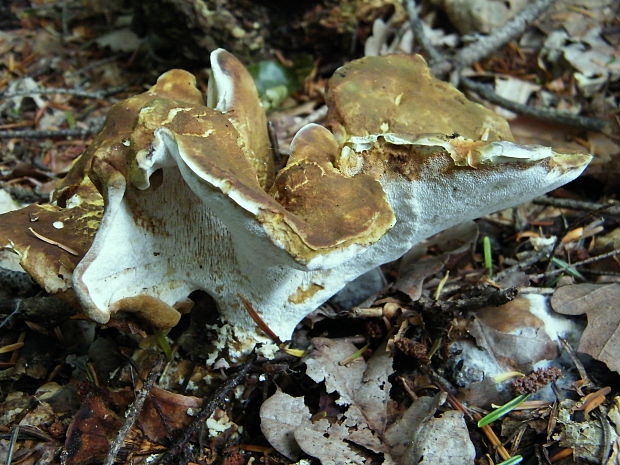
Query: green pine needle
point(162, 342)
point(501, 411)
point(568, 268)
point(488, 257)
point(512, 460)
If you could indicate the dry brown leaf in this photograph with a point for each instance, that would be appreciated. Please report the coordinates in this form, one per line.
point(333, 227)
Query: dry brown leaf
point(363, 428)
point(89, 435)
point(601, 338)
point(165, 412)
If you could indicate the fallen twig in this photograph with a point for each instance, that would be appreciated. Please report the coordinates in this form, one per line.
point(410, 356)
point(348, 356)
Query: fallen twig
point(600, 208)
point(601, 273)
point(490, 297)
point(587, 261)
point(11, 447)
point(260, 322)
point(441, 64)
point(207, 410)
point(48, 309)
point(12, 314)
point(133, 412)
point(98, 94)
point(94, 64)
point(43, 133)
point(486, 45)
point(524, 264)
point(562, 117)
point(580, 368)
point(418, 32)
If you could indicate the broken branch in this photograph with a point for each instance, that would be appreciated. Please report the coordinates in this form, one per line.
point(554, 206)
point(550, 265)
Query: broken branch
point(98, 94)
point(43, 134)
point(133, 412)
point(587, 261)
point(218, 398)
point(561, 117)
point(485, 46)
point(417, 28)
point(599, 208)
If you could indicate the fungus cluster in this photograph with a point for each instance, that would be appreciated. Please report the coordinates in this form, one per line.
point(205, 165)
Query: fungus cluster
point(192, 200)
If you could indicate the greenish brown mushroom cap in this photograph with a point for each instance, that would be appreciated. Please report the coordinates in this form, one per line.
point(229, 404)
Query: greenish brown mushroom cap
point(397, 94)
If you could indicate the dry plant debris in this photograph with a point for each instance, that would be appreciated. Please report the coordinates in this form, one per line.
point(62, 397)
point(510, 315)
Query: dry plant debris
point(363, 388)
point(458, 335)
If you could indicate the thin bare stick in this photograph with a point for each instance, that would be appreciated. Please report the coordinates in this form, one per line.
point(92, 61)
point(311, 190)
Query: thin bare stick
point(12, 442)
point(218, 398)
point(314, 117)
point(260, 322)
point(94, 64)
point(133, 412)
point(417, 28)
point(562, 117)
point(524, 264)
point(43, 134)
point(497, 39)
point(580, 368)
point(600, 208)
point(587, 261)
point(55, 309)
point(98, 94)
point(491, 297)
point(601, 273)
point(12, 314)
point(466, 56)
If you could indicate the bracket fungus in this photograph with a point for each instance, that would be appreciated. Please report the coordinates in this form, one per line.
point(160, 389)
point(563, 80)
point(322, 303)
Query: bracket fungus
point(193, 202)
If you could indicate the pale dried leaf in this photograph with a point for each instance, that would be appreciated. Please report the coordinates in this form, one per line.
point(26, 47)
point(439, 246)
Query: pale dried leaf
point(482, 16)
point(324, 365)
point(601, 338)
point(356, 430)
point(364, 387)
point(400, 433)
point(7, 204)
point(374, 392)
point(442, 440)
point(363, 425)
point(378, 39)
point(517, 90)
point(280, 416)
point(120, 40)
point(326, 442)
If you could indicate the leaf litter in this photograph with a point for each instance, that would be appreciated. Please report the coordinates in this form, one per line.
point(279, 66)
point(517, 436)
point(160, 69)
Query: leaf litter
point(366, 424)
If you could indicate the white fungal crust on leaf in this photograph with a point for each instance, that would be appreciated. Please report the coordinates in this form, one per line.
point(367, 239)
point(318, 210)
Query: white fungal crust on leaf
point(192, 201)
